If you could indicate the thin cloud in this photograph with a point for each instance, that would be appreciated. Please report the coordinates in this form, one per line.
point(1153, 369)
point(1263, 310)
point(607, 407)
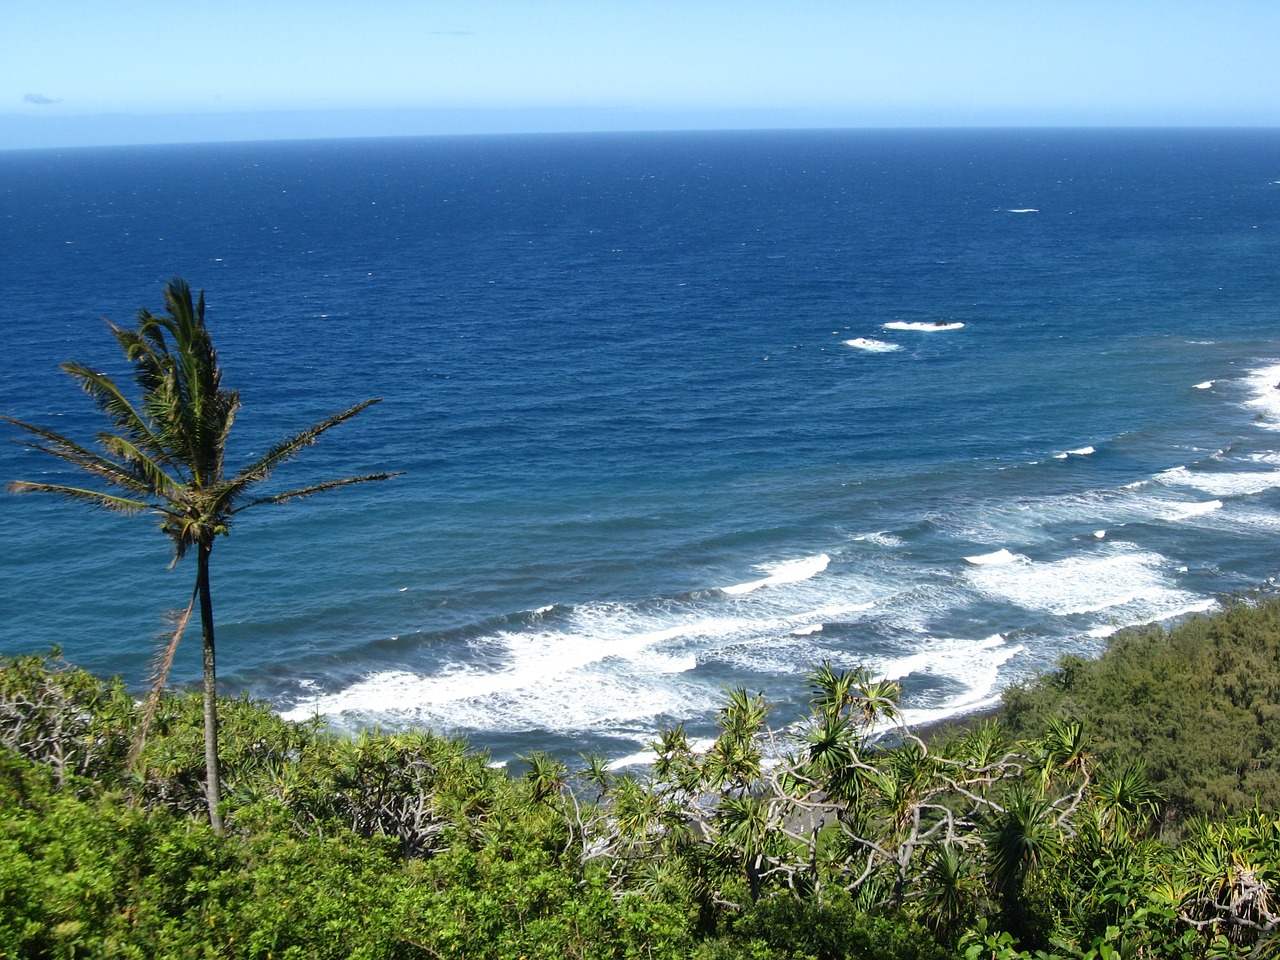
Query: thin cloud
point(39, 99)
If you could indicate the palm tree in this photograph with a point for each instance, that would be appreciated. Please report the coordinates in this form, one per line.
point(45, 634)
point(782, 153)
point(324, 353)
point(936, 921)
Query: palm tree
point(165, 456)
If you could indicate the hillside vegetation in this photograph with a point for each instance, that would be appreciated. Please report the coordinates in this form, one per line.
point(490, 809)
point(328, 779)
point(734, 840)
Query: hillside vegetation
point(1124, 807)
point(1198, 703)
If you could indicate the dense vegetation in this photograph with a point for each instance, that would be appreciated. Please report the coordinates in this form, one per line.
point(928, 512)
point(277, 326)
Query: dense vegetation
point(1125, 807)
point(1200, 704)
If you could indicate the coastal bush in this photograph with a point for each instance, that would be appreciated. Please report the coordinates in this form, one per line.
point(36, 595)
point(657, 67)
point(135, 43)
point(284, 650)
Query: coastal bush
point(74, 723)
point(788, 929)
point(1199, 702)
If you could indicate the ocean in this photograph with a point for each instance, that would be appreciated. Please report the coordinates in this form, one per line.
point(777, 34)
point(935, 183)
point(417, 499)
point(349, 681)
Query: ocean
point(677, 412)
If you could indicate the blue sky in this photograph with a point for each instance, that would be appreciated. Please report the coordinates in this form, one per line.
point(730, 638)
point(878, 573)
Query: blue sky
point(93, 71)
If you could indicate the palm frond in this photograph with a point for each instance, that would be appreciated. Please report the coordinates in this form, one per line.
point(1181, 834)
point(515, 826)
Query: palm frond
point(181, 383)
point(147, 470)
point(112, 401)
point(161, 666)
point(312, 490)
point(289, 448)
point(81, 457)
point(94, 498)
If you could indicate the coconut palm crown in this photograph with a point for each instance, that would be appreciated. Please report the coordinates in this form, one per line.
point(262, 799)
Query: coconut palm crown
point(165, 456)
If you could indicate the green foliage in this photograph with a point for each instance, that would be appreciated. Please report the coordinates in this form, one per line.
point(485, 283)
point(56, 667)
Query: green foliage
point(783, 928)
point(1200, 703)
point(814, 841)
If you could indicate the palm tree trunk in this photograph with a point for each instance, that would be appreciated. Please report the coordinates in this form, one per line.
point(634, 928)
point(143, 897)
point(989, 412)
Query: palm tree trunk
point(212, 768)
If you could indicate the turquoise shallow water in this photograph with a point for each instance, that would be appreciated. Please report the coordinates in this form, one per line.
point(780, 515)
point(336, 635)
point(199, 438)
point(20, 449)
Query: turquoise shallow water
point(676, 411)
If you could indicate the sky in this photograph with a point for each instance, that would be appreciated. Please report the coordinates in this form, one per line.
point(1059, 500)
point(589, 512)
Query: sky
point(94, 72)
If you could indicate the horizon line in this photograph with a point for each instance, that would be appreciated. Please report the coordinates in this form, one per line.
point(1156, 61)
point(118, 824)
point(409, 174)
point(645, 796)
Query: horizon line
point(31, 131)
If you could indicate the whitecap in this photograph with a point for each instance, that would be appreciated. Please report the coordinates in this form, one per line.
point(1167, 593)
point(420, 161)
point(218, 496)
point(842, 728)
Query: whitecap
point(945, 657)
point(1188, 510)
point(1264, 383)
point(998, 557)
point(1024, 210)
point(925, 327)
point(569, 699)
point(807, 631)
point(1078, 452)
point(642, 758)
point(813, 621)
point(1222, 483)
point(1203, 386)
point(872, 346)
point(790, 571)
point(1264, 520)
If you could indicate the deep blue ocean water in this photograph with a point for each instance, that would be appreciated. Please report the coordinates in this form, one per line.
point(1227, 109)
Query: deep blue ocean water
point(677, 411)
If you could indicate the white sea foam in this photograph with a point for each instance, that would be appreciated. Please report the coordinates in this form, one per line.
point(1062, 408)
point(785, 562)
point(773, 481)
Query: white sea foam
point(1264, 384)
point(617, 667)
point(464, 700)
point(1114, 627)
point(1185, 511)
point(944, 657)
point(1024, 210)
point(953, 708)
point(645, 757)
point(641, 758)
point(1222, 483)
point(1000, 556)
point(873, 346)
point(834, 611)
point(972, 665)
point(789, 571)
point(1203, 386)
point(607, 662)
point(925, 327)
point(881, 539)
point(1246, 519)
point(1087, 583)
